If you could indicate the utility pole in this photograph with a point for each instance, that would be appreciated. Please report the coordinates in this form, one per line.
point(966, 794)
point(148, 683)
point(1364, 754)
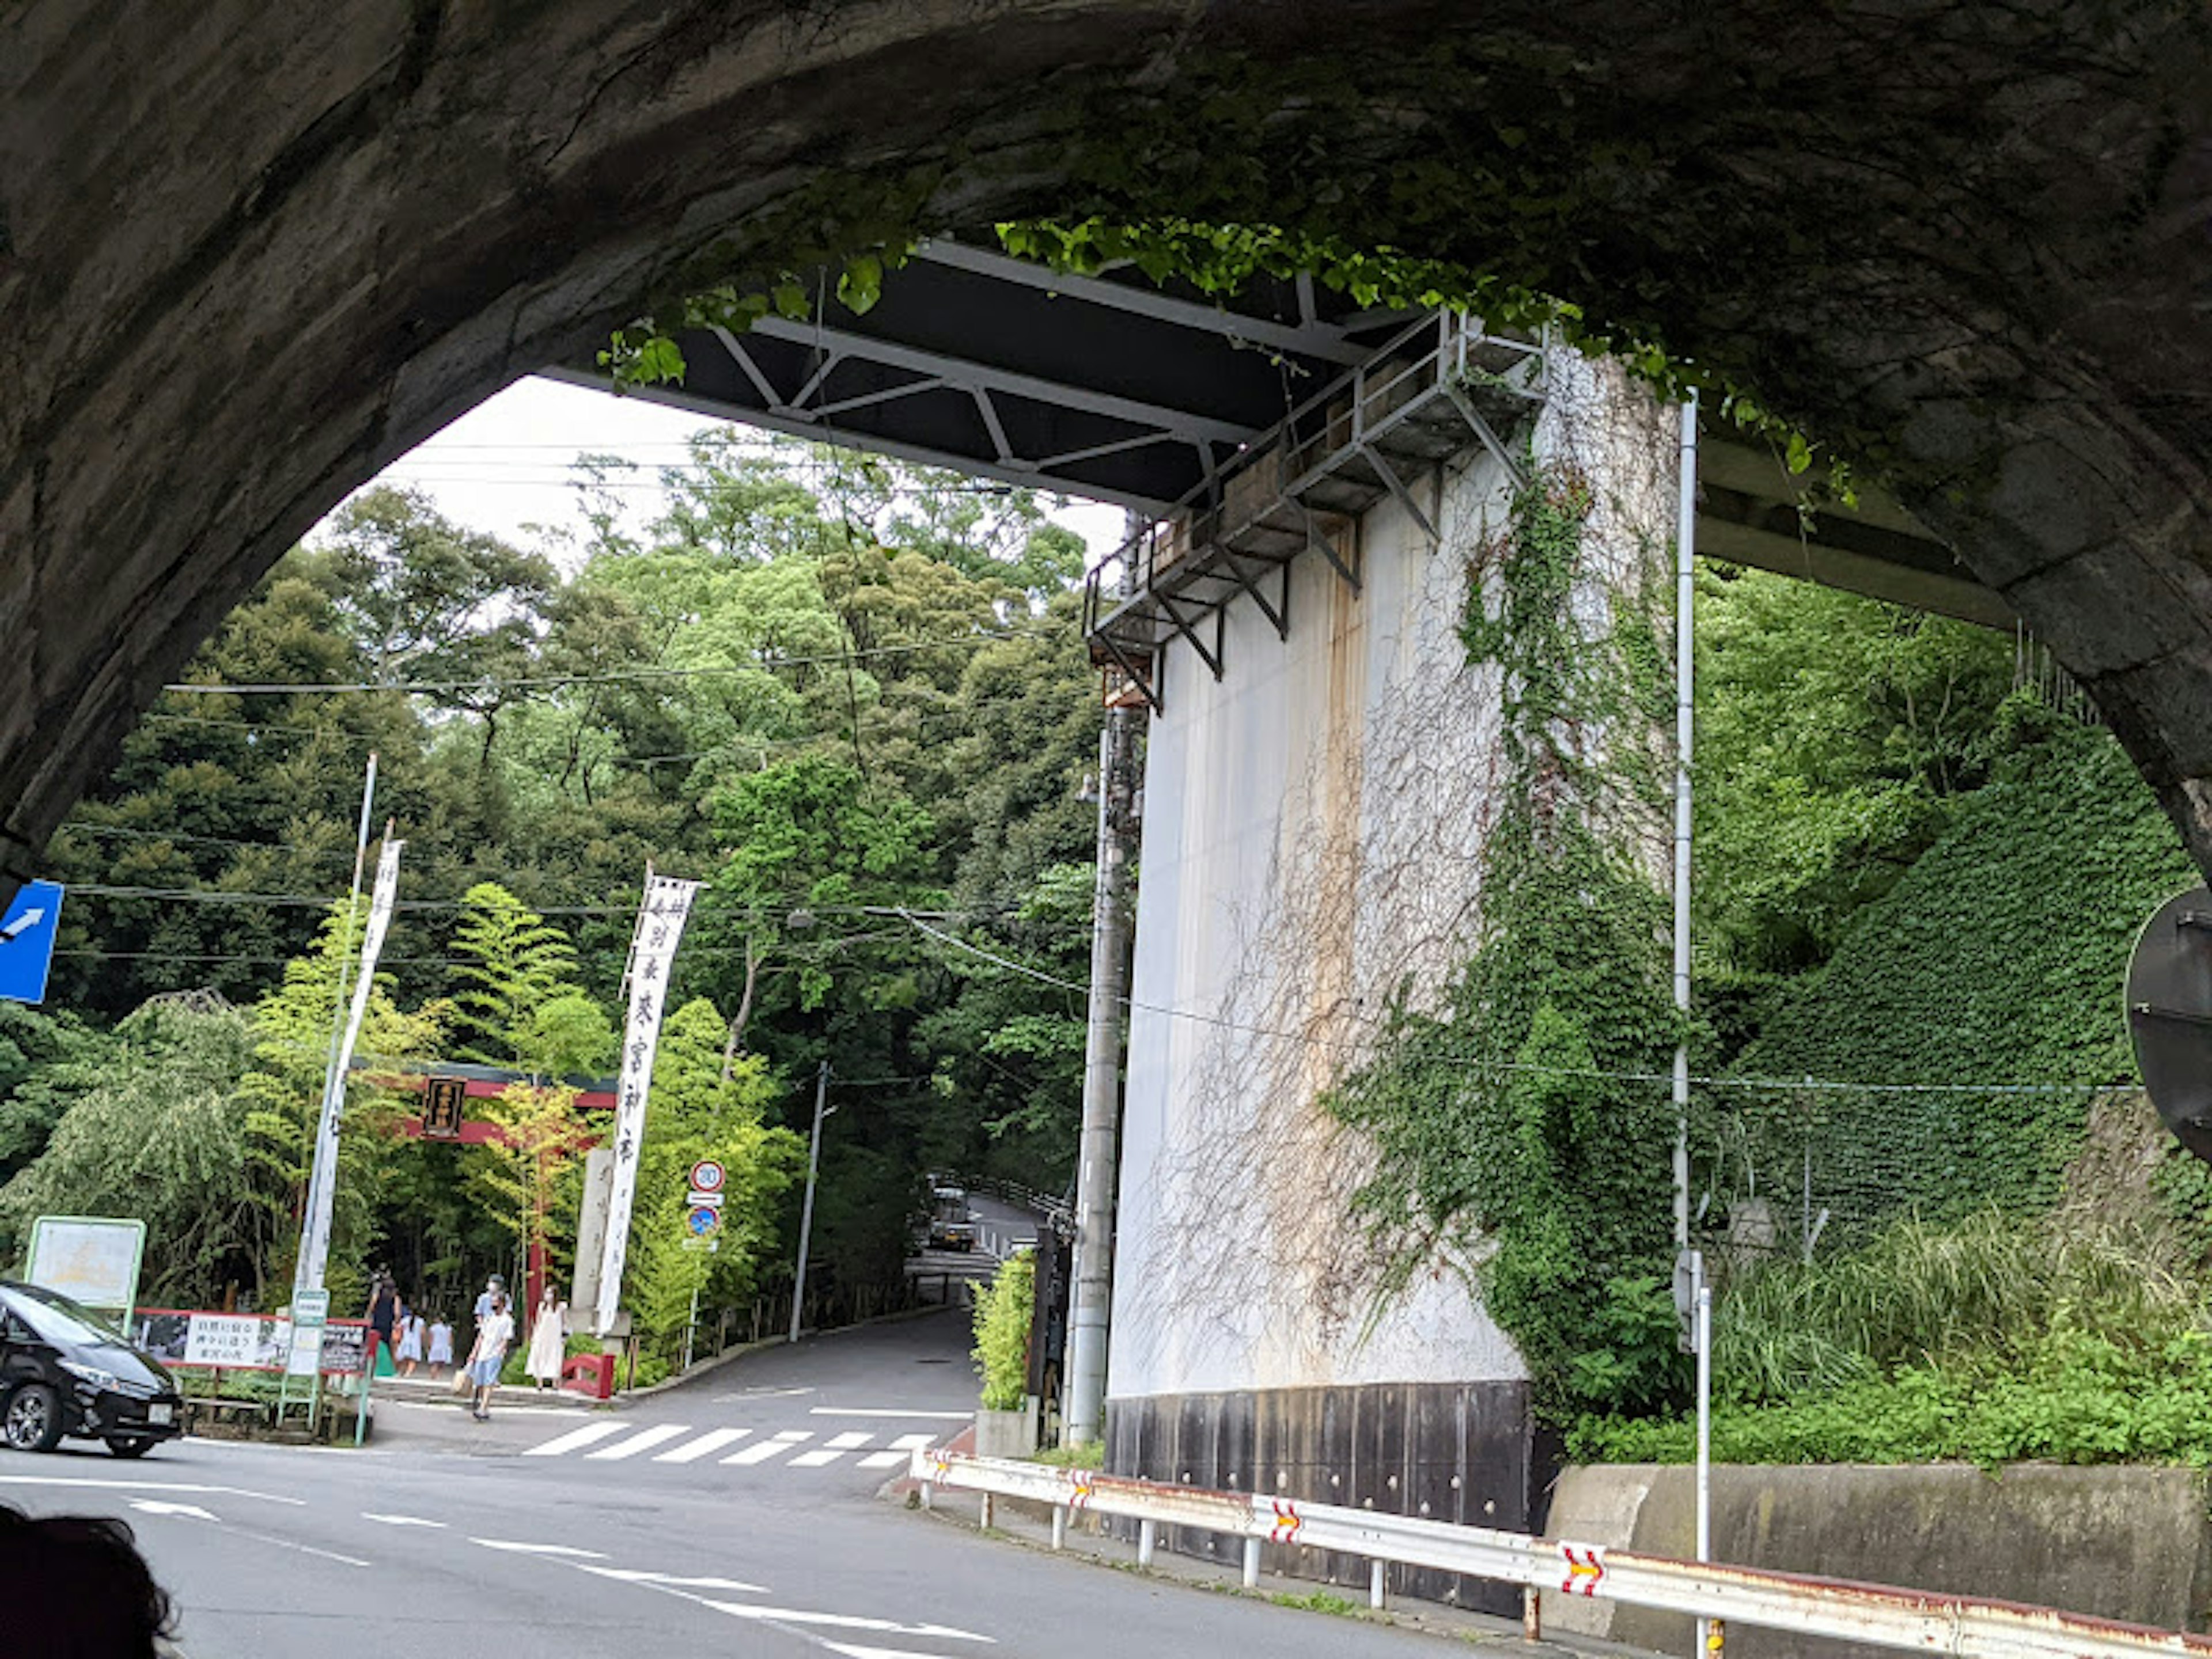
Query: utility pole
point(806, 1210)
point(1098, 1154)
point(1685, 553)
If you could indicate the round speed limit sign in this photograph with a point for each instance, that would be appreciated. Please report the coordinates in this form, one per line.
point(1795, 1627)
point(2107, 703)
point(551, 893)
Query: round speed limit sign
point(706, 1176)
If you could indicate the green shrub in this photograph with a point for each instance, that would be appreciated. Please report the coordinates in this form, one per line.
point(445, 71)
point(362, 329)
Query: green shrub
point(2080, 1397)
point(1083, 1455)
point(1975, 1290)
point(1003, 1309)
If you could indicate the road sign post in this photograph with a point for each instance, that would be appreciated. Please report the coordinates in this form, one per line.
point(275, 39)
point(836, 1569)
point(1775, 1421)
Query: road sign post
point(28, 928)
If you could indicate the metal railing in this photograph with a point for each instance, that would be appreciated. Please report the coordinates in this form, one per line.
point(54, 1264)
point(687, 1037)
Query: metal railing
point(1883, 1615)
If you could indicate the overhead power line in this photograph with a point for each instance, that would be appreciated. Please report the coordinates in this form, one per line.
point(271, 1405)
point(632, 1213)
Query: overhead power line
point(832, 659)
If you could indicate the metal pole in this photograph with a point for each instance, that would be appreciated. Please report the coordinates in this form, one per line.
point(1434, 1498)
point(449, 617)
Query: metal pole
point(1098, 1154)
point(323, 1174)
point(806, 1210)
point(1705, 1427)
point(690, 1327)
point(1686, 549)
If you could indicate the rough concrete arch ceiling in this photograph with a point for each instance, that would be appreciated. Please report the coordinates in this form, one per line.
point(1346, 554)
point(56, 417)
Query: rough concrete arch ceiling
point(250, 251)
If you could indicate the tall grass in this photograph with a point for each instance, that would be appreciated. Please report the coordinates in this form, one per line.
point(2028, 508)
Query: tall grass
point(1975, 1292)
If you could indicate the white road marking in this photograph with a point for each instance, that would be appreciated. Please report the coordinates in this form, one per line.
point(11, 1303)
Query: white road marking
point(814, 1460)
point(516, 1548)
point(304, 1549)
point(758, 1393)
point(156, 1506)
point(849, 1441)
point(645, 1440)
point(845, 1621)
point(854, 1650)
point(400, 1520)
point(888, 1411)
point(147, 1485)
point(569, 1441)
point(669, 1581)
point(787, 1441)
point(692, 1451)
point(900, 1452)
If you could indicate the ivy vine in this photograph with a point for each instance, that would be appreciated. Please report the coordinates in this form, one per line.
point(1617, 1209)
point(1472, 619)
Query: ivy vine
point(1506, 1134)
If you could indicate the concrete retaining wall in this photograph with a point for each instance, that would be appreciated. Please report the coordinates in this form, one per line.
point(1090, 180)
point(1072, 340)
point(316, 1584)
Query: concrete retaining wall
point(2124, 1543)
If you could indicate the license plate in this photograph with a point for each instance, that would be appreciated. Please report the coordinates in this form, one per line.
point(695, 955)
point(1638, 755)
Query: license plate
point(161, 1416)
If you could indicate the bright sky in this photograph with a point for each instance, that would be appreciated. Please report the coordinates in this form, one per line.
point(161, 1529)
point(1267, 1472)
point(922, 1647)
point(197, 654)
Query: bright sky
point(504, 467)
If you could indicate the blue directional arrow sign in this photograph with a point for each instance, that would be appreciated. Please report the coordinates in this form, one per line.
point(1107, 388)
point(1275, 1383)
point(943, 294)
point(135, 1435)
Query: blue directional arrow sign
point(27, 941)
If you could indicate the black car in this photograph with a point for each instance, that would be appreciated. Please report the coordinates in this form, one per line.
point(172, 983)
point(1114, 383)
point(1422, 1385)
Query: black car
point(64, 1369)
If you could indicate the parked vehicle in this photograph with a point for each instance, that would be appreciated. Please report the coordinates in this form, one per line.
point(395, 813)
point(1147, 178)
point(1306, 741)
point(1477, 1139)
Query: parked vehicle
point(65, 1370)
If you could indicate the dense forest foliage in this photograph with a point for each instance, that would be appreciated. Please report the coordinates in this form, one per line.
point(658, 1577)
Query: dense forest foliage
point(849, 695)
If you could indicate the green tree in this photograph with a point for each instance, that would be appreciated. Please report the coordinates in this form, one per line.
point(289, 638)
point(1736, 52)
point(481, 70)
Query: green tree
point(517, 999)
point(699, 1109)
point(156, 1130)
point(282, 1093)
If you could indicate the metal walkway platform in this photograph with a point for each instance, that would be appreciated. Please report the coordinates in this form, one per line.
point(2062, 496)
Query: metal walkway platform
point(1439, 387)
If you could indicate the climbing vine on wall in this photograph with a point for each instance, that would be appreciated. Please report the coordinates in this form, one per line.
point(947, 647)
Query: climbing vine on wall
point(1506, 1132)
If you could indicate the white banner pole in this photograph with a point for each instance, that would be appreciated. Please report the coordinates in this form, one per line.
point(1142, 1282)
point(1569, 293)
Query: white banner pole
point(659, 927)
point(323, 1184)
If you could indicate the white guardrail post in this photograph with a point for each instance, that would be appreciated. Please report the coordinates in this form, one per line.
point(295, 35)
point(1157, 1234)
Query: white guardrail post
point(1927, 1622)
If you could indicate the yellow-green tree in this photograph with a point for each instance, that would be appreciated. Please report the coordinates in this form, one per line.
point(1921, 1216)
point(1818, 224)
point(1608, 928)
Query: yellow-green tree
point(284, 1097)
point(694, 1112)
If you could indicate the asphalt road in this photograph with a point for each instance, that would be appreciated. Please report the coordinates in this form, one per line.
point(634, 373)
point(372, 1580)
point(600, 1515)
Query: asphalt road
point(486, 1540)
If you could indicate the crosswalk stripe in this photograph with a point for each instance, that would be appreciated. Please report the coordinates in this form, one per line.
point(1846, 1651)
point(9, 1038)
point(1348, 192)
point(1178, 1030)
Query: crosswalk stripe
point(882, 1459)
point(907, 1443)
point(787, 1441)
point(848, 1442)
point(645, 1440)
point(692, 1451)
point(814, 1460)
point(575, 1438)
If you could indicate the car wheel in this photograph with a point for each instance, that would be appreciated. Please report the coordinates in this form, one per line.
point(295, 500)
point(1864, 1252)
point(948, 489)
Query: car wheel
point(123, 1448)
point(34, 1419)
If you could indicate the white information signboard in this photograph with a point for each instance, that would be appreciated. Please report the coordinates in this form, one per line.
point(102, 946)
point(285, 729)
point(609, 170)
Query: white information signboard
point(311, 1310)
point(93, 1259)
point(224, 1340)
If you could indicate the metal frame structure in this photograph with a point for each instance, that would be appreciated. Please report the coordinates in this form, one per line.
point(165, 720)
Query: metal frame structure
point(1439, 387)
point(1108, 386)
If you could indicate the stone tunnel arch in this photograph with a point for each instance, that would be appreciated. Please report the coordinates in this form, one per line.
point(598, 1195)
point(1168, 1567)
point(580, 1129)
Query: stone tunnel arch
point(248, 258)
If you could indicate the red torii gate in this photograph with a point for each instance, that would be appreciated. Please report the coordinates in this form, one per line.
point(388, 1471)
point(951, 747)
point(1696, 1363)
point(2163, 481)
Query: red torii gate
point(446, 1090)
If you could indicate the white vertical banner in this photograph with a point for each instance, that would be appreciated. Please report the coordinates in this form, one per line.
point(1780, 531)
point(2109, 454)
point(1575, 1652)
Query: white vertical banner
point(323, 1184)
point(651, 952)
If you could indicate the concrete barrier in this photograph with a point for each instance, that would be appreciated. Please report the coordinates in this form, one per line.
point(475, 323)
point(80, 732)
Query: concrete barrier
point(2124, 1543)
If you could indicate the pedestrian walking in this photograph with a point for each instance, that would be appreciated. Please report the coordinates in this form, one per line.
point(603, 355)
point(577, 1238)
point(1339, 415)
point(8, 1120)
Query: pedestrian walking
point(382, 1315)
point(442, 1342)
point(549, 1340)
point(410, 1352)
point(493, 1334)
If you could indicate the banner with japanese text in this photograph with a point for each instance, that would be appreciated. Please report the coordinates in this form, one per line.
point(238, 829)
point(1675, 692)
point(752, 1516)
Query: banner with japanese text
point(315, 1244)
point(652, 951)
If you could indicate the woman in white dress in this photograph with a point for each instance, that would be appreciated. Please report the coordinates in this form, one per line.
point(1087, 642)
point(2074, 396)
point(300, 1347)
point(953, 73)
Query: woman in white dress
point(442, 1342)
point(410, 1352)
point(548, 1341)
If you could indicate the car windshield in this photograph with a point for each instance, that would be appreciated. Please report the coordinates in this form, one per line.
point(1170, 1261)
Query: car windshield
point(55, 1318)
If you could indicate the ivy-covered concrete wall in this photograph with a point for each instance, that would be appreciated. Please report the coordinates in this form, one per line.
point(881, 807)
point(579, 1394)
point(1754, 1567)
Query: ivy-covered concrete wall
point(1313, 845)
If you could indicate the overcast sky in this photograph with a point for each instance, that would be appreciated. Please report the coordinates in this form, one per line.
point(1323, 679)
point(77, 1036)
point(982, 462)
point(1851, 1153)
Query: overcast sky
point(505, 467)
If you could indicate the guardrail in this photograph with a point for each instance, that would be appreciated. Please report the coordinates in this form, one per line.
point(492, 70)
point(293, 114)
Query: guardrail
point(1883, 1615)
